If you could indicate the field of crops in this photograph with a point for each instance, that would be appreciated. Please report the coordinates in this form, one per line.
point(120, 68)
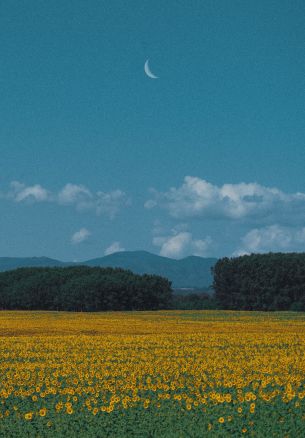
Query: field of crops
point(152, 374)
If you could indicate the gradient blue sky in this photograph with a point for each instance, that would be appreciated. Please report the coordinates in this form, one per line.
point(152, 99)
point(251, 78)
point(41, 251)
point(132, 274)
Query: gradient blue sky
point(85, 135)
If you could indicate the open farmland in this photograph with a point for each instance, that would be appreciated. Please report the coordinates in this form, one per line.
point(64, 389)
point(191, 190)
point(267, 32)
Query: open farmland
point(170, 374)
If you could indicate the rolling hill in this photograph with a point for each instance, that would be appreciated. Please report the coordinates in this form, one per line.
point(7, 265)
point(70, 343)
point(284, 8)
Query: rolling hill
point(190, 272)
point(8, 263)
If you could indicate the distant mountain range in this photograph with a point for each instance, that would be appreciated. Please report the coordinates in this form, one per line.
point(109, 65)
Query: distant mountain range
point(190, 272)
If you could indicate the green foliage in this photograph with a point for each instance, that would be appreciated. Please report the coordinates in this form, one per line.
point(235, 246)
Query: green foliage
point(270, 420)
point(273, 281)
point(188, 272)
point(193, 301)
point(82, 289)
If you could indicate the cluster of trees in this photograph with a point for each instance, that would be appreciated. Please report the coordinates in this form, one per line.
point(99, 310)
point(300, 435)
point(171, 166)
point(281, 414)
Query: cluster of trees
point(273, 281)
point(255, 282)
point(193, 301)
point(82, 288)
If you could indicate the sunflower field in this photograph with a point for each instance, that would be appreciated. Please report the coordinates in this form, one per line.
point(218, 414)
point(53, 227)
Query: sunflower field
point(152, 374)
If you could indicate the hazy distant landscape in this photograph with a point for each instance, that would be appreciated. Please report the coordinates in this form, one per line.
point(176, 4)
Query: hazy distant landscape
point(143, 281)
point(190, 272)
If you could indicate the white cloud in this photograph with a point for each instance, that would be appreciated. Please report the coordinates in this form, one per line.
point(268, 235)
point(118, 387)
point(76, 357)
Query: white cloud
point(20, 192)
point(111, 202)
point(114, 247)
point(102, 202)
point(74, 194)
point(181, 244)
point(160, 229)
point(79, 196)
point(150, 203)
point(272, 238)
point(199, 198)
point(80, 236)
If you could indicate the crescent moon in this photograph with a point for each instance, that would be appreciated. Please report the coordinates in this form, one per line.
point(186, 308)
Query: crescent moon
point(148, 71)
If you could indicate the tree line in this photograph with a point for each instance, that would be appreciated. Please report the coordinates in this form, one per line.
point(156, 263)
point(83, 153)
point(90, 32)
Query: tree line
point(274, 281)
point(82, 288)
point(193, 301)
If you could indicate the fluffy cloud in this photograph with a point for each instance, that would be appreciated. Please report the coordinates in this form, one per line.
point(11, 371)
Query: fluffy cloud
point(79, 196)
point(80, 236)
point(199, 198)
point(114, 247)
point(20, 192)
point(74, 194)
point(273, 238)
point(111, 202)
point(181, 244)
point(102, 202)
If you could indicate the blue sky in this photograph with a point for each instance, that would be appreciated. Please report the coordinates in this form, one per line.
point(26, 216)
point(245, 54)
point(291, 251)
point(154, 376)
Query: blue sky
point(96, 156)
